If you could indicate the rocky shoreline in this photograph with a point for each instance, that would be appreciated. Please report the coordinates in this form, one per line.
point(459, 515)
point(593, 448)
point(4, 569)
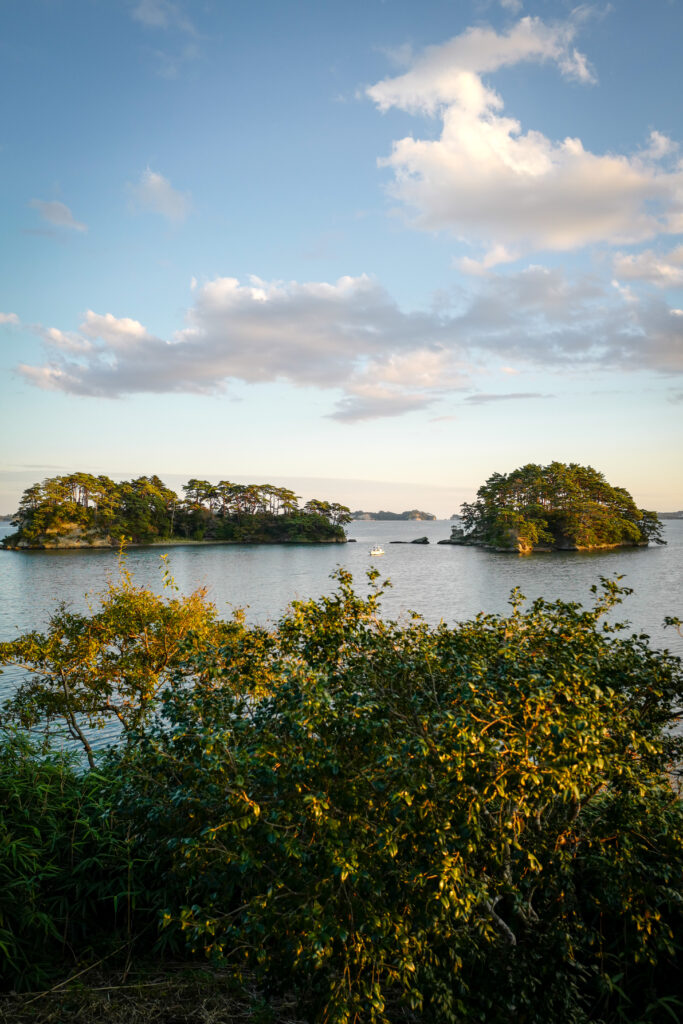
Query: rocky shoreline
point(516, 545)
point(78, 540)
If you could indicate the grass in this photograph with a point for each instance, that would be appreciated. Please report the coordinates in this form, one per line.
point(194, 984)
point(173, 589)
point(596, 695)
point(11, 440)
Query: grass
point(181, 995)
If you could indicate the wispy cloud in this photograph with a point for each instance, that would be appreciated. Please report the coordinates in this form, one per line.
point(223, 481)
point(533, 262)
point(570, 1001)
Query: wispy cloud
point(170, 19)
point(484, 399)
point(170, 64)
point(163, 14)
point(58, 214)
point(9, 318)
point(155, 193)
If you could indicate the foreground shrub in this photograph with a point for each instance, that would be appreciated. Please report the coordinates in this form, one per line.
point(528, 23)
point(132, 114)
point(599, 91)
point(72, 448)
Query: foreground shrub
point(393, 822)
point(473, 823)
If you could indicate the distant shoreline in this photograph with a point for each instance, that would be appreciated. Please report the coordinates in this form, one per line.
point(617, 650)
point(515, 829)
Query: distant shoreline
point(412, 515)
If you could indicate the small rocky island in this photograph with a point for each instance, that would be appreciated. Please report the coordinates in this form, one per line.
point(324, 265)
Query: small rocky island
point(414, 514)
point(85, 511)
point(554, 508)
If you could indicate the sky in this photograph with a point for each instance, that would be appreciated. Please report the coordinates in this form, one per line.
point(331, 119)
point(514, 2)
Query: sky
point(375, 251)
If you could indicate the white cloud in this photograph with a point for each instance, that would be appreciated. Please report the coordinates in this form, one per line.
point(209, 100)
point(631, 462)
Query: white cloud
point(9, 318)
point(399, 383)
point(494, 184)
point(118, 333)
point(541, 318)
point(665, 271)
point(154, 192)
point(372, 401)
point(659, 146)
point(58, 214)
point(313, 333)
point(65, 341)
point(493, 258)
point(351, 337)
point(449, 74)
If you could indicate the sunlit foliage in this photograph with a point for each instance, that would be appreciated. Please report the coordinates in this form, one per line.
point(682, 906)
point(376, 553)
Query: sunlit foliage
point(145, 510)
point(396, 822)
point(567, 506)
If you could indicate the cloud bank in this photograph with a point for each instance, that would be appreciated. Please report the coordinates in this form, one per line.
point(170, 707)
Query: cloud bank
point(350, 336)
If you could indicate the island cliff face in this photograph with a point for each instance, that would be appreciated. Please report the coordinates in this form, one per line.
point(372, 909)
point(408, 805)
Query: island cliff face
point(82, 511)
point(554, 508)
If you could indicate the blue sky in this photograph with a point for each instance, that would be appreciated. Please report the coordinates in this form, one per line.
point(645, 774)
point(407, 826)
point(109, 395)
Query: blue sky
point(375, 251)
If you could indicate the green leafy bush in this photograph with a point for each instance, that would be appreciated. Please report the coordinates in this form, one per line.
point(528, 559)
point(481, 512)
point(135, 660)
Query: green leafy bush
point(473, 823)
point(393, 822)
point(65, 885)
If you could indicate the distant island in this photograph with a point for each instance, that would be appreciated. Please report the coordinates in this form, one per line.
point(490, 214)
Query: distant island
point(554, 508)
point(413, 514)
point(671, 515)
point(82, 511)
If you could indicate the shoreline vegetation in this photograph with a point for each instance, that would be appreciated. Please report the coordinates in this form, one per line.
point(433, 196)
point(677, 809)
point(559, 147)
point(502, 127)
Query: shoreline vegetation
point(381, 516)
point(341, 818)
point(559, 507)
point(84, 511)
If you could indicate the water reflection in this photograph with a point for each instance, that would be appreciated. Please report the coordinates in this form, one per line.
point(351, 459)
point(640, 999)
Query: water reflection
point(439, 582)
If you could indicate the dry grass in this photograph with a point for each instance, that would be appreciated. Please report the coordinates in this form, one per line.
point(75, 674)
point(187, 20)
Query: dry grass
point(183, 996)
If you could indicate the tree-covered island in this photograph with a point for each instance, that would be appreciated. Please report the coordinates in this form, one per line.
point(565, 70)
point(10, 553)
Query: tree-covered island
point(554, 508)
point(413, 514)
point(82, 510)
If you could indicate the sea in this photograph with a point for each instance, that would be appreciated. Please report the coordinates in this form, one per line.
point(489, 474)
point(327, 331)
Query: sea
point(440, 582)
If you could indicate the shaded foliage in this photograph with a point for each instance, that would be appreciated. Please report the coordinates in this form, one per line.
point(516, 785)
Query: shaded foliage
point(397, 822)
point(65, 870)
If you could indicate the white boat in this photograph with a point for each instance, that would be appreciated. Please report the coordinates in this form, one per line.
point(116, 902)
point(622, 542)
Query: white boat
point(377, 550)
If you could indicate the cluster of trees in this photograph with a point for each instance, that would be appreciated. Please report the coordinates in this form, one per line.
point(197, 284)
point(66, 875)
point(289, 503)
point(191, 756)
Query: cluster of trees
point(414, 513)
point(559, 505)
point(145, 509)
point(390, 822)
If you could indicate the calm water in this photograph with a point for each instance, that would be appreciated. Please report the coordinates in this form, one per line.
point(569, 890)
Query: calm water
point(439, 582)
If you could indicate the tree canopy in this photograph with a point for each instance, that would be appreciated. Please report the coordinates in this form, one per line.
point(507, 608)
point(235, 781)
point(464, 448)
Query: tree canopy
point(146, 510)
point(556, 506)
